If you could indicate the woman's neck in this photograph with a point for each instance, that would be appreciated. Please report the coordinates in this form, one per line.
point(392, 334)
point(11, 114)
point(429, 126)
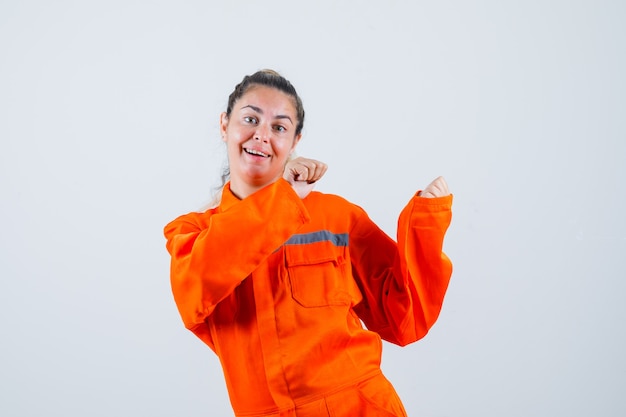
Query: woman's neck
point(242, 189)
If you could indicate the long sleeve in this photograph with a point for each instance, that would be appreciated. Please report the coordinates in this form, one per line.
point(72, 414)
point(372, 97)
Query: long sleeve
point(213, 252)
point(403, 284)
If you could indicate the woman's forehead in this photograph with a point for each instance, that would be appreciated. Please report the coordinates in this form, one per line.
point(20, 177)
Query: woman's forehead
point(266, 98)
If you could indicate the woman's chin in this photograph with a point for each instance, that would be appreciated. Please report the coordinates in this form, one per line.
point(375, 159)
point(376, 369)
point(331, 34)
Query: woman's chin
point(260, 178)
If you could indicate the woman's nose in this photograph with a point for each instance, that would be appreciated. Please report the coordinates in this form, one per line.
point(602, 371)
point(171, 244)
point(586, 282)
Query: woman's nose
point(263, 132)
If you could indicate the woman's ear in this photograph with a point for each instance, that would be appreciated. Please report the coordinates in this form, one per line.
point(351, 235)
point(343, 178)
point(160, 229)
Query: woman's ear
point(295, 142)
point(223, 125)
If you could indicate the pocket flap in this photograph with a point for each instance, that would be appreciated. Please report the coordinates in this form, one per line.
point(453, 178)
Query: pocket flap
point(314, 253)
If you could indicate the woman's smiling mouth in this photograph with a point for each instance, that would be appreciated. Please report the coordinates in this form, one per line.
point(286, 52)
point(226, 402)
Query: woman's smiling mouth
point(256, 152)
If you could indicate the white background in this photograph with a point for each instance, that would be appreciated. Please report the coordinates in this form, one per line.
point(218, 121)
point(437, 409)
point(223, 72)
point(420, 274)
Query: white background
point(108, 130)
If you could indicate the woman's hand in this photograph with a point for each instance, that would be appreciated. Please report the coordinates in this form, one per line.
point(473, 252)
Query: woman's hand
point(437, 188)
point(302, 173)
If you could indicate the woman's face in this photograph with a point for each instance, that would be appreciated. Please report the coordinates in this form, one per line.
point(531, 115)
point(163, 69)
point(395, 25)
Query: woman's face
point(260, 136)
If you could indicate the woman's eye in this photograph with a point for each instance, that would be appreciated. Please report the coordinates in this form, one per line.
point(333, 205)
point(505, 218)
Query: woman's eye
point(280, 128)
point(249, 119)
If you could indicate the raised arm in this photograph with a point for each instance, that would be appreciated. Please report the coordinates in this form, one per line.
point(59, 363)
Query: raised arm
point(213, 252)
point(404, 284)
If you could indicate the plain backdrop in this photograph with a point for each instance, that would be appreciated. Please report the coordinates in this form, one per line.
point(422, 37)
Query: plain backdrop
point(109, 129)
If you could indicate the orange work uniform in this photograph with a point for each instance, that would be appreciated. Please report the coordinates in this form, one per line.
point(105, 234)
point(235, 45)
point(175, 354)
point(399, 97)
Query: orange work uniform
point(278, 287)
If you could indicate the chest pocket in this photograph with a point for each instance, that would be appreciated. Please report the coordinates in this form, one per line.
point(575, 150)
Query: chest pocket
point(320, 274)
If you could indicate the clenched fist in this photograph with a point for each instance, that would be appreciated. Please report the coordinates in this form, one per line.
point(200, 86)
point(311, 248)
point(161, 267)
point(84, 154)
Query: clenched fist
point(302, 173)
point(437, 188)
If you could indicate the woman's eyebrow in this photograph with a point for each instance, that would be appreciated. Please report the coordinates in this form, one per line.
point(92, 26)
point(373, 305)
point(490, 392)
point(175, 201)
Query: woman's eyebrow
point(284, 116)
point(255, 108)
point(258, 110)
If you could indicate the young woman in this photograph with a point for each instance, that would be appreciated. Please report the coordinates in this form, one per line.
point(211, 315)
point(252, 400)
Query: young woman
point(277, 279)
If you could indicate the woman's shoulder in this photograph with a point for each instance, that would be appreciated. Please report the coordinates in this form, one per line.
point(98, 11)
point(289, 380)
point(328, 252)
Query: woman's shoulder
point(330, 202)
point(320, 196)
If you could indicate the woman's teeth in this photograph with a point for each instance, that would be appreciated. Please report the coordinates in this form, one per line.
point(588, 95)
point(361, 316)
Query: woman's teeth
point(255, 152)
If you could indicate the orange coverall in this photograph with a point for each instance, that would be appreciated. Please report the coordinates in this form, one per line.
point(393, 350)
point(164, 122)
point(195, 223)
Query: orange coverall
point(277, 287)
